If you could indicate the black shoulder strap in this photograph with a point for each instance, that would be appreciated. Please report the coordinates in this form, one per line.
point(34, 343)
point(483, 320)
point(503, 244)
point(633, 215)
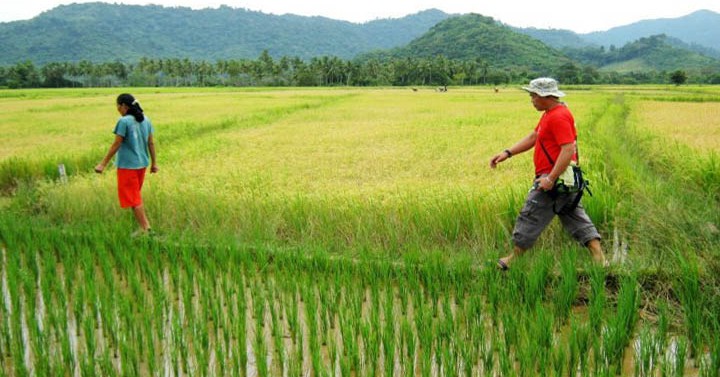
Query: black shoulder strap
point(546, 153)
point(552, 162)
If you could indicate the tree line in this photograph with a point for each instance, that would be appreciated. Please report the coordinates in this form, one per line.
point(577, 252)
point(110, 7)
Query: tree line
point(293, 71)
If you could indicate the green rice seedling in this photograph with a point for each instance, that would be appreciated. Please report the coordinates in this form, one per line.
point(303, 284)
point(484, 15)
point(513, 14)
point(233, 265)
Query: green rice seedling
point(596, 308)
point(4, 337)
point(351, 353)
point(335, 300)
point(510, 322)
point(291, 308)
point(241, 332)
point(541, 330)
point(277, 334)
point(332, 357)
point(300, 348)
point(713, 369)
point(524, 356)
point(467, 356)
point(487, 355)
point(182, 347)
point(505, 361)
point(370, 352)
point(425, 363)
point(450, 362)
point(620, 326)
point(40, 348)
point(688, 288)
point(388, 333)
point(295, 364)
point(324, 312)
point(661, 331)
point(88, 328)
point(579, 344)
point(260, 351)
point(438, 354)
point(493, 295)
point(536, 281)
point(409, 344)
point(259, 306)
point(645, 357)
point(681, 353)
point(567, 289)
point(424, 328)
point(221, 365)
point(559, 359)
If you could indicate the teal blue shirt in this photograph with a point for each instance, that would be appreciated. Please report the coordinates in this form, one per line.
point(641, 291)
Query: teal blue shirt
point(133, 152)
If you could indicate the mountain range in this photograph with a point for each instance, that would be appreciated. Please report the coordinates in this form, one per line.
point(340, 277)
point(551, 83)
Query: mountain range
point(100, 32)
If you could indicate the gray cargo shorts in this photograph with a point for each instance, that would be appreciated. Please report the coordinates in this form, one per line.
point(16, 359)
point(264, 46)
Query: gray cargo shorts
point(539, 210)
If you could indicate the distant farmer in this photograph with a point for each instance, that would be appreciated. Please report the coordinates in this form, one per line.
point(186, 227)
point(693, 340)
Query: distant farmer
point(135, 150)
point(554, 140)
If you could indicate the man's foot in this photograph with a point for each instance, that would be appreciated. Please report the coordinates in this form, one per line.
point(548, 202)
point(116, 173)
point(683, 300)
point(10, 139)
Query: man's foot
point(502, 266)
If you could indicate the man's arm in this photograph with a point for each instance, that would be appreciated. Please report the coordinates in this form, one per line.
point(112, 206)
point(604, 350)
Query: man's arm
point(566, 152)
point(521, 146)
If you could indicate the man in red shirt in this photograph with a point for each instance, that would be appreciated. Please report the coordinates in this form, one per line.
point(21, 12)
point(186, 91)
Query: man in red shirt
point(554, 140)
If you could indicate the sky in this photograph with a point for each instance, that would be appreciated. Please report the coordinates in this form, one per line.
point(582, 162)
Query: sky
point(580, 16)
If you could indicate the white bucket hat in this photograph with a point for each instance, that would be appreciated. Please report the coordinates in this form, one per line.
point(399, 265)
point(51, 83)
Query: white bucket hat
point(544, 87)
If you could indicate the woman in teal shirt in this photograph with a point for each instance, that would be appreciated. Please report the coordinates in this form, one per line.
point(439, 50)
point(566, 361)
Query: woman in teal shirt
point(135, 151)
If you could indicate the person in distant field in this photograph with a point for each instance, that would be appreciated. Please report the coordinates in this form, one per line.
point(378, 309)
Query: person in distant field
point(135, 151)
point(554, 140)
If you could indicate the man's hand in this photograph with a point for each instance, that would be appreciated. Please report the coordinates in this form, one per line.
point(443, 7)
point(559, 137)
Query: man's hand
point(498, 158)
point(544, 183)
point(99, 168)
point(154, 169)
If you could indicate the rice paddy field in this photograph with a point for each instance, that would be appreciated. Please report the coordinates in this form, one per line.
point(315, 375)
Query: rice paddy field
point(353, 232)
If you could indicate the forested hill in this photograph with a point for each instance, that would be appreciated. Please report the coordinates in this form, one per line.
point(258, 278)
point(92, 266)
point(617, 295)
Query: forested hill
point(479, 38)
point(697, 31)
point(654, 53)
point(701, 28)
point(101, 32)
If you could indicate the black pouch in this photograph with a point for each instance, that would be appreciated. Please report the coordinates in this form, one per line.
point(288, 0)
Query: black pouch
point(578, 186)
point(571, 181)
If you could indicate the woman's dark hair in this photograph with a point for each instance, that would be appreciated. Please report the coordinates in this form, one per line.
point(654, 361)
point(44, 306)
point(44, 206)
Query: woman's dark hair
point(133, 105)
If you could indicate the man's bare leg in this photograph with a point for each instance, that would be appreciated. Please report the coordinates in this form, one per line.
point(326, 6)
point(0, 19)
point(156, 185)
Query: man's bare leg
point(596, 251)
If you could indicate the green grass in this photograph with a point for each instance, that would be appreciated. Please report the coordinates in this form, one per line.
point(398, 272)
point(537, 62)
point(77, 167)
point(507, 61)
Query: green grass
point(306, 230)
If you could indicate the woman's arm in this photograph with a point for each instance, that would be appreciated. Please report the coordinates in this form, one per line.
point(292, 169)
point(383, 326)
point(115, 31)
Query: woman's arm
point(113, 149)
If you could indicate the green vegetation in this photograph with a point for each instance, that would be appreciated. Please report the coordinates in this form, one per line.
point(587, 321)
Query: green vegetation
point(475, 37)
point(101, 32)
point(352, 232)
point(235, 47)
point(648, 54)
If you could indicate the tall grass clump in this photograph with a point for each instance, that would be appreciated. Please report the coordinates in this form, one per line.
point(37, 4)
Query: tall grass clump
point(567, 288)
point(621, 325)
point(691, 299)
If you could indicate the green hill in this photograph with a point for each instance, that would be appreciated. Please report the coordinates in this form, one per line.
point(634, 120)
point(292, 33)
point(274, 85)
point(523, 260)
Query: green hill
point(701, 28)
point(476, 37)
point(655, 53)
point(101, 32)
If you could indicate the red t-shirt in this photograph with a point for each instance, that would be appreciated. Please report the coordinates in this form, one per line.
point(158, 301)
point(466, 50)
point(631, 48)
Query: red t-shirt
point(556, 128)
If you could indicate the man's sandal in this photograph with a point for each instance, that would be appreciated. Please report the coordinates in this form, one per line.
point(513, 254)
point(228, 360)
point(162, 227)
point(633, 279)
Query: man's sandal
point(502, 265)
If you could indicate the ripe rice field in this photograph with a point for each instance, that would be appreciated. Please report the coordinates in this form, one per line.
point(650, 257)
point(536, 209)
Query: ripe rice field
point(353, 232)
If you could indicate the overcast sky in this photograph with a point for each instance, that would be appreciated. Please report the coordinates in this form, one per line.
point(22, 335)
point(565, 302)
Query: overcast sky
point(581, 16)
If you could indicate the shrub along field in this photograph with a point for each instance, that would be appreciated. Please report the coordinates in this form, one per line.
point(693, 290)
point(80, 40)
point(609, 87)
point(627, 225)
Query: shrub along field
point(352, 232)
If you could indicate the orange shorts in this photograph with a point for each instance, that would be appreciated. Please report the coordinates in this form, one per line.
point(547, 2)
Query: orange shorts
point(130, 182)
